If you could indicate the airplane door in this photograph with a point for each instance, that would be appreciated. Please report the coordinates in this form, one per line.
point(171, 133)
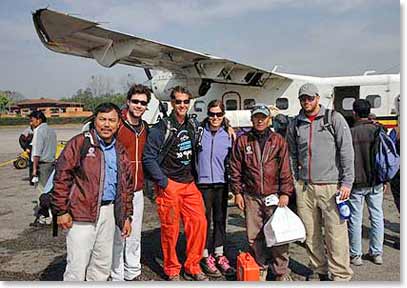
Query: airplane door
point(232, 101)
point(343, 101)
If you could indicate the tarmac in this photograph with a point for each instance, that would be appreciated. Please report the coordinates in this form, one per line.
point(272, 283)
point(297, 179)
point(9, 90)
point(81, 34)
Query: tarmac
point(29, 253)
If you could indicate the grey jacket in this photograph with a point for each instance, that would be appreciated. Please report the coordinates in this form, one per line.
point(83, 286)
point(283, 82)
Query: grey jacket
point(317, 156)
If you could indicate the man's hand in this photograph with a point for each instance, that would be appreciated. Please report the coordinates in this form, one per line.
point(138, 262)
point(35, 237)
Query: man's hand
point(239, 201)
point(65, 221)
point(126, 231)
point(345, 192)
point(283, 200)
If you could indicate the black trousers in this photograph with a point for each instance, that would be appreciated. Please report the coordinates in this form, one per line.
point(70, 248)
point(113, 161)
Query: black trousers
point(216, 201)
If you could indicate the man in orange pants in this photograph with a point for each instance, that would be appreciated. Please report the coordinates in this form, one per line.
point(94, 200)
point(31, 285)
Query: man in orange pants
point(168, 158)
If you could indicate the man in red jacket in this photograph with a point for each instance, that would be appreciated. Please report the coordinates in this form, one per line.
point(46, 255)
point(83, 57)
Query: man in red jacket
point(93, 193)
point(132, 135)
point(260, 167)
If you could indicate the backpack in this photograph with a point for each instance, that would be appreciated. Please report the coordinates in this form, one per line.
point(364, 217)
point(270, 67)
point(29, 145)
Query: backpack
point(386, 160)
point(327, 123)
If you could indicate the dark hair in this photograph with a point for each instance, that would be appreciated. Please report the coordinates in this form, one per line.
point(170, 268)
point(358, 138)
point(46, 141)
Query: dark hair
point(38, 115)
point(216, 103)
point(180, 89)
point(106, 108)
point(139, 89)
point(362, 108)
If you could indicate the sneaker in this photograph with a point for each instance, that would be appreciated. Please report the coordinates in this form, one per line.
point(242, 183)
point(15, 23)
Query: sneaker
point(196, 277)
point(209, 267)
point(285, 277)
point(263, 275)
point(376, 259)
point(173, 278)
point(356, 260)
point(224, 266)
point(141, 277)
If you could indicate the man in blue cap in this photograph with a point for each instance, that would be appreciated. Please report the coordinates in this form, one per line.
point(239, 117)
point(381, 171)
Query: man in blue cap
point(260, 167)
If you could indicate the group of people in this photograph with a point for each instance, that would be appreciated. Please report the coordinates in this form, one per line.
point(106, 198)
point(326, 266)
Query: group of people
point(100, 174)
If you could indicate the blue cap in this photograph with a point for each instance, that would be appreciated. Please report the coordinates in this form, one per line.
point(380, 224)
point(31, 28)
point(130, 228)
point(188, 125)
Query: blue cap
point(261, 108)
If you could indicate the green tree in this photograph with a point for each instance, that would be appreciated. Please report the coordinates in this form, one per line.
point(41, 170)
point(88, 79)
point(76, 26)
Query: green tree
point(4, 100)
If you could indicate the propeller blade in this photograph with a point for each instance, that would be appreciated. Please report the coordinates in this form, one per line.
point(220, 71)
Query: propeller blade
point(148, 73)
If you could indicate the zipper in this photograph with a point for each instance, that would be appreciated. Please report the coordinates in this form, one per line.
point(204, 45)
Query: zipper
point(101, 183)
point(309, 153)
point(135, 177)
point(213, 140)
point(259, 154)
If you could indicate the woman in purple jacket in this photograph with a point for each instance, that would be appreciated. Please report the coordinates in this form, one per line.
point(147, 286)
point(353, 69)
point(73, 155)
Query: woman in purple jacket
point(212, 166)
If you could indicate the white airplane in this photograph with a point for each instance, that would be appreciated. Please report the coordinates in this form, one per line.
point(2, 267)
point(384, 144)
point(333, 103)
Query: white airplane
point(208, 77)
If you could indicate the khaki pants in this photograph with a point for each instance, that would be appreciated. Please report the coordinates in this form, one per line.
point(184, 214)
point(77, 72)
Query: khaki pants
point(317, 208)
point(90, 247)
point(257, 214)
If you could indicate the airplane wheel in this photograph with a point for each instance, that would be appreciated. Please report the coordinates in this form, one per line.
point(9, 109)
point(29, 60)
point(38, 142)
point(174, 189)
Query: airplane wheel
point(20, 163)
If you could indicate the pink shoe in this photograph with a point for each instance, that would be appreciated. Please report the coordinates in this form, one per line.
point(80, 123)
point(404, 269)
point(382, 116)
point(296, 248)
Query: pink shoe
point(224, 267)
point(209, 267)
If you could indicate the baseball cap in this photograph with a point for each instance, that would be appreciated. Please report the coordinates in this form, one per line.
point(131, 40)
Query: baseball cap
point(308, 89)
point(261, 108)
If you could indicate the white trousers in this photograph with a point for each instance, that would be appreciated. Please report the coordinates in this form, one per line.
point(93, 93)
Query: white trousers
point(89, 248)
point(127, 252)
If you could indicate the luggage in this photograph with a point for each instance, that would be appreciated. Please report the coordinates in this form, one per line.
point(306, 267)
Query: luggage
point(247, 268)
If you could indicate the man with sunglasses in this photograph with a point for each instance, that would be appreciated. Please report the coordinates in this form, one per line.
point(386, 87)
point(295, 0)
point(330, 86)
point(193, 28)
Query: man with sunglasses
point(260, 168)
point(322, 159)
point(169, 158)
point(132, 135)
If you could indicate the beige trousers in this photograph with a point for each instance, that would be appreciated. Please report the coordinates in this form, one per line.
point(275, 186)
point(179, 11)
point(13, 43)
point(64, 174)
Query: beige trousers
point(317, 208)
point(90, 247)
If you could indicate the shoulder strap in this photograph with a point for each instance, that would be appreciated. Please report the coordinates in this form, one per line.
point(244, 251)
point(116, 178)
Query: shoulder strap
point(86, 144)
point(328, 121)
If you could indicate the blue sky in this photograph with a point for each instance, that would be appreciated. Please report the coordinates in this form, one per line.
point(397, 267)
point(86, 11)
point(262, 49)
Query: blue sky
point(319, 37)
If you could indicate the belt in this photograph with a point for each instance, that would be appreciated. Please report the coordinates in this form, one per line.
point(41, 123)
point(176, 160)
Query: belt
point(107, 202)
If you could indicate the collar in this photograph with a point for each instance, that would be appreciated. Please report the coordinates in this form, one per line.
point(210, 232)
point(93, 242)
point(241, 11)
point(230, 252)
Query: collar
point(104, 145)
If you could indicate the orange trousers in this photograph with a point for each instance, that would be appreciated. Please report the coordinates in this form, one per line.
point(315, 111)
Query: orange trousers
point(181, 200)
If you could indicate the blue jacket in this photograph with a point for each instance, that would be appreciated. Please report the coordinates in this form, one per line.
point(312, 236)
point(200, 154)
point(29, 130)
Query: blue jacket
point(212, 157)
point(160, 138)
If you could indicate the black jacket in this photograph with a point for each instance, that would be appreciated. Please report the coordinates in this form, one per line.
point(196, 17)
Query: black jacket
point(363, 138)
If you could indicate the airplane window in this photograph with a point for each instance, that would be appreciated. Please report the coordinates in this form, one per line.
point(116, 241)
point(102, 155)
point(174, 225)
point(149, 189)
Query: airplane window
point(248, 104)
point(231, 104)
point(282, 103)
point(374, 100)
point(199, 106)
point(347, 103)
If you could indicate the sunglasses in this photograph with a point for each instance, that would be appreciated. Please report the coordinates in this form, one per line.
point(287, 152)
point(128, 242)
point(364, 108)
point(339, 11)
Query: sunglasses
point(308, 98)
point(136, 101)
point(217, 114)
point(179, 102)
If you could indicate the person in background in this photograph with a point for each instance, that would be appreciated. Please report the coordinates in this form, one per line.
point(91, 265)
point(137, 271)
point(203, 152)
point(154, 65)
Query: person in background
point(322, 161)
point(365, 188)
point(260, 167)
point(169, 159)
point(132, 134)
point(44, 145)
point(213, 180)
point(93, 193)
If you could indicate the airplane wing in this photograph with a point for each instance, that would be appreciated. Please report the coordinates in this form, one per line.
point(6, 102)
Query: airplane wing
point(66, 34)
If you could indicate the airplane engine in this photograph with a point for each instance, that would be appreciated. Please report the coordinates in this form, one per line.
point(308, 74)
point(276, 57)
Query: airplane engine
point(162, 84)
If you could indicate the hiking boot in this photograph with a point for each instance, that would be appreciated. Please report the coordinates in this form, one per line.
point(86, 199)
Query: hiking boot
point(209, 267)
point(224, 266)
point(356, 260)
point(323, 277)
point(201, 276)
point(173, 278)
point(263, 275)
point(285, 277)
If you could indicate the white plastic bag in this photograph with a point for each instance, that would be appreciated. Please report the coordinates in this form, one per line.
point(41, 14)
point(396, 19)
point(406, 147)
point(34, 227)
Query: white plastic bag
point(283, 227)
